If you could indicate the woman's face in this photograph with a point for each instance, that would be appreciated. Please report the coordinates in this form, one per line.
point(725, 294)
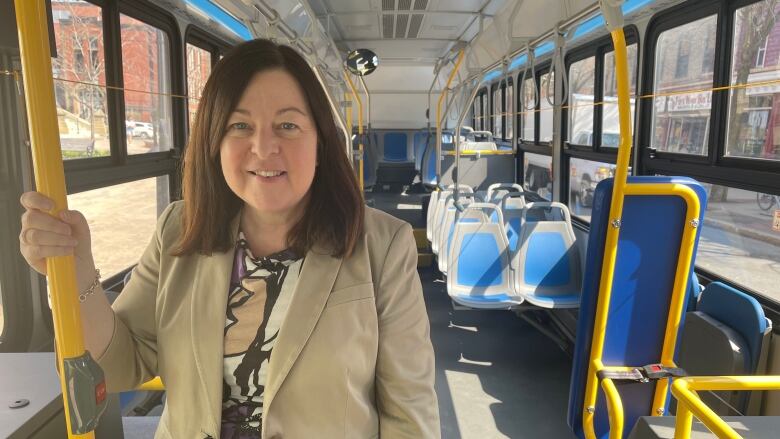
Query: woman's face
point(269, 152)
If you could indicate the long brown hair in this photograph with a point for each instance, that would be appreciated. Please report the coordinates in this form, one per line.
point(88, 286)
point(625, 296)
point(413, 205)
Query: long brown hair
point(333, 214)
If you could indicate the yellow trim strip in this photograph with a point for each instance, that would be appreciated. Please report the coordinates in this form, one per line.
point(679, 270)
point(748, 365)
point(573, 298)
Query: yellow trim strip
point(50, 179)
point(360, 128)
point(475, 152)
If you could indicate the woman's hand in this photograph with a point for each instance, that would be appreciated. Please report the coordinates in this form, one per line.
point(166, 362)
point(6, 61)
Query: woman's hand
point(44, 235)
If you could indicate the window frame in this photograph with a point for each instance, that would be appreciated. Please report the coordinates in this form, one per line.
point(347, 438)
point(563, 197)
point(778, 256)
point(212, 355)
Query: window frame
point(715, 167)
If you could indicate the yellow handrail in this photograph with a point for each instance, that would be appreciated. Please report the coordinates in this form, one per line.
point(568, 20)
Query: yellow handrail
point(689, 403)
point(360, 127)
point(613, 233)
point(153, 384)
point(685, 256)
point(442, 97)
point(49, 179)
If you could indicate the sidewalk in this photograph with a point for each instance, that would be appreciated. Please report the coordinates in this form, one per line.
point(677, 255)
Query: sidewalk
point(744, 218)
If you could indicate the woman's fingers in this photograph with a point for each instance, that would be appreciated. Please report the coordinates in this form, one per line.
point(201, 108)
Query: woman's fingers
point(36, 200)
point(40, 252)
point(37, 237)
point(35, 219)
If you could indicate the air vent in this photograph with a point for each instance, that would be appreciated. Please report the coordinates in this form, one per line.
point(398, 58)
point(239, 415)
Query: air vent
point(404, 5)
point(400, 25)
point(414, 25)
point(388, 5)
point(387, 25)
point(420, 5)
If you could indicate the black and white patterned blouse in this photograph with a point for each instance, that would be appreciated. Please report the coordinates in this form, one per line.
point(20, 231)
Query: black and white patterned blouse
point(260, 293)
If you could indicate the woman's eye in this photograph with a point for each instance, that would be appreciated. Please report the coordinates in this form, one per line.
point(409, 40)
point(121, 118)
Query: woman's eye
point(288, 126)
point(239, 126)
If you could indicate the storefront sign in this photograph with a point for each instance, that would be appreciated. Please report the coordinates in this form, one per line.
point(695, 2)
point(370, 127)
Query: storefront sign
point(690, 101)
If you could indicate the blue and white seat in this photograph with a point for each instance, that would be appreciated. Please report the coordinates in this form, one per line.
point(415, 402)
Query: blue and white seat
point(436, 208)
point(512, 205)
point(546, 266)
point(479, 275)
point(452, 215)
point(497, 190)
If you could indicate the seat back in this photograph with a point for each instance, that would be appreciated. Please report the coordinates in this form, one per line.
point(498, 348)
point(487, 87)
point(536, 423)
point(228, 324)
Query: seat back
point(479, 275)
point(429, 214)
point(512, 206)
point(650, 238)
point(726, 336)
point(394, 147)
point(546, 265)
point(496, 191)
point(451, 216)
point(420, 139)
point(435, 217)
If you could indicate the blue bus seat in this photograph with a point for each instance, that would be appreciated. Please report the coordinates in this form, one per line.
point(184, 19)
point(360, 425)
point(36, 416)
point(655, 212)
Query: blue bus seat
point(511, 206)
point(437, 215)
point(394, 147)
point(479, 276)
point(650, 234)
point(546, 265)
point(449, 218)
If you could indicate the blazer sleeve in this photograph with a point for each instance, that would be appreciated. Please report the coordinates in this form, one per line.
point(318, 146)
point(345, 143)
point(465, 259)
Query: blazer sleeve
point(405, 370)
point(131, 356)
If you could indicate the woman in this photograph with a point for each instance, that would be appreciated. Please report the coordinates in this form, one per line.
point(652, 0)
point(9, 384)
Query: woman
point(270, 301)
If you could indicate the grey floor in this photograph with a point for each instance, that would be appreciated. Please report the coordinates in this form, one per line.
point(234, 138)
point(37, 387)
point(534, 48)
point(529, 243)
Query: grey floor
point(496, 376)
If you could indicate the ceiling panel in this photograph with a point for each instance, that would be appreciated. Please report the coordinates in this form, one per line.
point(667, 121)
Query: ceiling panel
point(456, 5)
point(448, 26)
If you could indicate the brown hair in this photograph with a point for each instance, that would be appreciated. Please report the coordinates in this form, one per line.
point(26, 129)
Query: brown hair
point(333, 214)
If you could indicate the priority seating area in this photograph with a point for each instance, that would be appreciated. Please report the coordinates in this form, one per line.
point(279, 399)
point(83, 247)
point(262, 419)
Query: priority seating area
point(498, 252)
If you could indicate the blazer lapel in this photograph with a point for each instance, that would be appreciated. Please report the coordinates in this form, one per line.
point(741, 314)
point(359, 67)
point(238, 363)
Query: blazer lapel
point(209, 305)
point(315, 283)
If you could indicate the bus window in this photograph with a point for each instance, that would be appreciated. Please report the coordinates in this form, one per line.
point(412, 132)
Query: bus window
point(79, 72)
point(610, 124)
point(198, 71)
point(122, 219)
point(584, 175)
point(684, 61)
point(537, 169)
point(510, 111)
point(545, 109)
point(740, 238)
point(581, 99)
point(147, 79)
point(529, 111)
point(753, 129)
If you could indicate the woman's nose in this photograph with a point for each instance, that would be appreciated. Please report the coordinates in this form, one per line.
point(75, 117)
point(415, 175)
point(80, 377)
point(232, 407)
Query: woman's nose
point(265, 143)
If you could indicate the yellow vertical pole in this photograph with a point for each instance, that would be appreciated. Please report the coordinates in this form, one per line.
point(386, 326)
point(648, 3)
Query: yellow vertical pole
point(442, 98)
point(613, 232)
point(360, 127)
point(49, 177)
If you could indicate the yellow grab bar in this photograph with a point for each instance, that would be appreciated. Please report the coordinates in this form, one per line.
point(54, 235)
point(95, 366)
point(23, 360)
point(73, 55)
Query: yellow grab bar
point(153, 384)
point(360, 127)
point(442, 97)
point(684, 389)
point(49, 179)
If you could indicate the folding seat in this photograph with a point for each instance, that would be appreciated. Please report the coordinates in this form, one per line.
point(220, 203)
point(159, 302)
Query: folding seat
point(546, 265)
point(479, 274)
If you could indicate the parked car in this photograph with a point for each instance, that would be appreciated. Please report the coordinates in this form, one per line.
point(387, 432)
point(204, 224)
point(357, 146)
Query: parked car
point(143, 130)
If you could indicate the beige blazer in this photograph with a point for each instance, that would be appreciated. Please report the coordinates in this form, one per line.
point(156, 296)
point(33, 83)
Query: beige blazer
point(353, 358)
